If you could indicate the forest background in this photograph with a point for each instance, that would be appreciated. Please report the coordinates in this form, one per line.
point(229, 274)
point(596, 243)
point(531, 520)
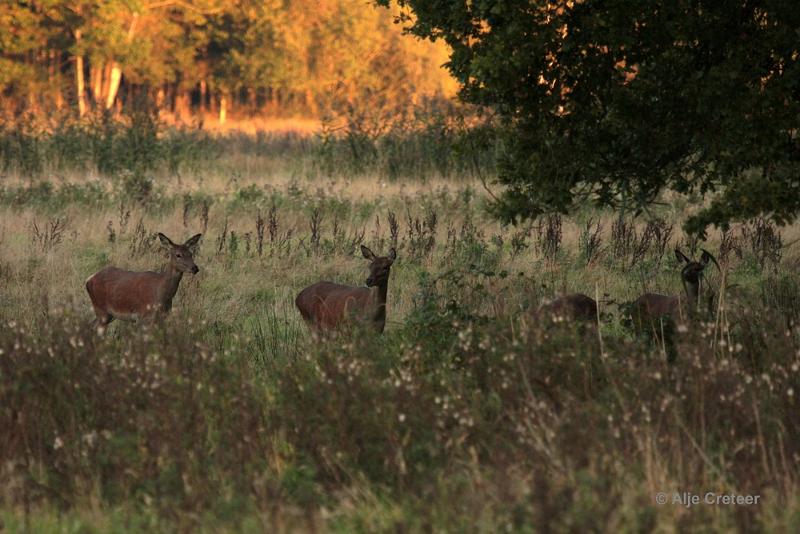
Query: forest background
point(207, 63)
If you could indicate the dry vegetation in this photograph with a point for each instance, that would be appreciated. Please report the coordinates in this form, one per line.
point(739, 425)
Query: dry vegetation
point(463, 416)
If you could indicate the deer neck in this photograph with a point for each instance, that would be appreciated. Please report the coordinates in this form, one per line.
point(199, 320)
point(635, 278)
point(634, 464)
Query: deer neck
point(692, 293)
point(378, 295)
point(170, 283)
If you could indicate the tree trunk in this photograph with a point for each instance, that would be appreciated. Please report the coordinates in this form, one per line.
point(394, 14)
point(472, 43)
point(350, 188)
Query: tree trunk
point(272, 104)
point(182, 105)
point(96, 79)
point(79, 79)
point(103, 95)
point(80, 86)
point(311, 105)
point(52, 78)
point(116, 71)
point(203, 96)
point(213, 104)
point(33, 106)
point(201, 112)
point(132, 99)
point(160, 97)
point(113, 84)
point(33, 103)
point(252, 101)
point(223, 108)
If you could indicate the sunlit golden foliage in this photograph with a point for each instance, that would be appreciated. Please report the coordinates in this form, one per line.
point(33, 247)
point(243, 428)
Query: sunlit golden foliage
point(211, 57)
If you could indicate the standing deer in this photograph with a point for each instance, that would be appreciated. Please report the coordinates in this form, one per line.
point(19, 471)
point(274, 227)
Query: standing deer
point(573, 306)
point(327, 306)
point(128, 295)
point(650, 307)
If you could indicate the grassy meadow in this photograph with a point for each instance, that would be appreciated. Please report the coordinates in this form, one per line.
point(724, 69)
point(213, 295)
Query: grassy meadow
point(467, 414)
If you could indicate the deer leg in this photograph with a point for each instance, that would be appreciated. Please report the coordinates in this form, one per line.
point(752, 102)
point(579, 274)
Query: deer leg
point(152, 318)
point(102, 319)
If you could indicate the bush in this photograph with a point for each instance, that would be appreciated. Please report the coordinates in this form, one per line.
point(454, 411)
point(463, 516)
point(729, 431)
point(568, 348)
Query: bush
point(136, 143)
point(582, 429)
point(154, 418)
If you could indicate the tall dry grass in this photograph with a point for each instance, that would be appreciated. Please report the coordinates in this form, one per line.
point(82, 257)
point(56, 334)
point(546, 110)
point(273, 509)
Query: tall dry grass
point(466, 415)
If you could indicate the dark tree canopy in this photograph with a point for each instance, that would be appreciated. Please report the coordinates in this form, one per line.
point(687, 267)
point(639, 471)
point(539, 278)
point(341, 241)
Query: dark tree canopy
point(615, 101)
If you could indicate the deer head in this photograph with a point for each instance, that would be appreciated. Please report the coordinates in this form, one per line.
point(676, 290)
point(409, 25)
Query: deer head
point(692, 272)
point(181, 256)
point(380, 266)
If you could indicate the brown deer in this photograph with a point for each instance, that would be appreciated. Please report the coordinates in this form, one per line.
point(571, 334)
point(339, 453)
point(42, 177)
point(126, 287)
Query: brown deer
point(328, 306)
point(573, 307)
point(650, 307)
point(128, 295)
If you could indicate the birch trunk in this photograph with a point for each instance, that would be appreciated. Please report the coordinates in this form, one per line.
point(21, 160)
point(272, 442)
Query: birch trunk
point(103, 94)
point(223, 108)
point(79, 84)
point(96, 79)
point(113, 84)
point(116, 71)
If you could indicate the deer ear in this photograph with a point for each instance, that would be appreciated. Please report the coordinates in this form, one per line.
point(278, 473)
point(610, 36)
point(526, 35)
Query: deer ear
point(708, 257)
point(367, 253)
point(681, 256)
point(167, 242)
point(392, 254)
point(192, 241)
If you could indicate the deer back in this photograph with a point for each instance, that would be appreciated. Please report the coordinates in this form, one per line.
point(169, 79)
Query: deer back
point(574, 306)
point(651, 306)
point(326, 305)
point(127, 294)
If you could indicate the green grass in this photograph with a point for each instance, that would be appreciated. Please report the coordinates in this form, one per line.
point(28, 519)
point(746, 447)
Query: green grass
point(426, 147)
point(466, 415)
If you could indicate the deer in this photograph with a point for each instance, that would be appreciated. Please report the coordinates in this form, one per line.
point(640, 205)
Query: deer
point(651, 307)
point(573, 307)
point(130, 295)
point(327, 306)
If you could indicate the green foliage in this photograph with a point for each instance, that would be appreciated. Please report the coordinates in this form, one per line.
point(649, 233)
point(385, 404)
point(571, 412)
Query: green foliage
point(614, 102)
point(136, 143)
point(429, 145)
point(43, 194)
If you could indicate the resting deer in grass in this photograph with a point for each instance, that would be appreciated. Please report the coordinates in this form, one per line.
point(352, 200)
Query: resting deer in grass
point(651, 307)
point(128, 295)
point(328, 306)
point(573, 307)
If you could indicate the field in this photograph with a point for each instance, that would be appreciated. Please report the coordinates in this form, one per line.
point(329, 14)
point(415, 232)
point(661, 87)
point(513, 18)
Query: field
point(467, 414)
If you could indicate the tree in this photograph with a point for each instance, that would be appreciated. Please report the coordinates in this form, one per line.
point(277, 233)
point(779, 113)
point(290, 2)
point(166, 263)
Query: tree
point(30, 38)
point(20, 35)
point(613, 102)
point(184, 54)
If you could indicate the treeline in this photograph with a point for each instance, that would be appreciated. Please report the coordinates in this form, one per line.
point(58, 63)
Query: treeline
point(193, 57)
